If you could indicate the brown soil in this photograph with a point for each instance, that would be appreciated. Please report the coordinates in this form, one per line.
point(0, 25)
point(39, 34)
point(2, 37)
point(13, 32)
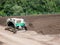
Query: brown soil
point(46, 25)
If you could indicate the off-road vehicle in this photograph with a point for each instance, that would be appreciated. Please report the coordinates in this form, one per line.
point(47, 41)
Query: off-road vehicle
point(15, 24)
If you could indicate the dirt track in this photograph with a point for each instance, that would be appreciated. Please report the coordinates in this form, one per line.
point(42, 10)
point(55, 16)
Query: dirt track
point(44, 31)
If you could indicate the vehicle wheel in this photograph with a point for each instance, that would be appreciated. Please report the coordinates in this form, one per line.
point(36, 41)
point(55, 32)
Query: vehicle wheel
point(11, 29)
point(25, 28)
point(7, 28)
point(14, 30)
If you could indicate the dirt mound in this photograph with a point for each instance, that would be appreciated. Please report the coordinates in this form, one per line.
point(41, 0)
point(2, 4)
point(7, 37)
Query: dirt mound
point(41, 24)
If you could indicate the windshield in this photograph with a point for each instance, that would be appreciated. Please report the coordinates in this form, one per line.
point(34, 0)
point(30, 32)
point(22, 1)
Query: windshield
point(18, 21)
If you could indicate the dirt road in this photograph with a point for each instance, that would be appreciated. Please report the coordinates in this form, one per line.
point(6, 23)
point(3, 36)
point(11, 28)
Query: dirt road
point(45, 31)
point(27, 38)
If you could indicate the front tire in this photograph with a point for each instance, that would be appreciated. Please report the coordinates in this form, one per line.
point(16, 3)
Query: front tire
point(25, 28)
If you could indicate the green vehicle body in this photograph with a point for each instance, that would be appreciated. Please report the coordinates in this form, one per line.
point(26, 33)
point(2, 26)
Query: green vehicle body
point(16, 23)
point(20, 24)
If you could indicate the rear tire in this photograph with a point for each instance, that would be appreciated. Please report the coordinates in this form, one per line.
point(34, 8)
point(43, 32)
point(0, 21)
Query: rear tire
point(11, 29)
point(14, 30)
point(7, 28)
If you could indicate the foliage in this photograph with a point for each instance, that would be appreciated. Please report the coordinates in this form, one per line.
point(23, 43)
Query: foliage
point(28, 7)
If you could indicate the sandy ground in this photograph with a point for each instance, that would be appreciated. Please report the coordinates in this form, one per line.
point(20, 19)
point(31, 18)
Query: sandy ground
point(27, 38)
point(44, 31)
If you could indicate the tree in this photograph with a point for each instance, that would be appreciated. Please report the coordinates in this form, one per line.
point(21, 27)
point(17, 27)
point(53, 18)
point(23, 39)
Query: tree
point(26, 7)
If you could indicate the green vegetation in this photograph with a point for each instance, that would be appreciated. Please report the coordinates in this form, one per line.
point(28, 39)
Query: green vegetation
point(28, 7)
